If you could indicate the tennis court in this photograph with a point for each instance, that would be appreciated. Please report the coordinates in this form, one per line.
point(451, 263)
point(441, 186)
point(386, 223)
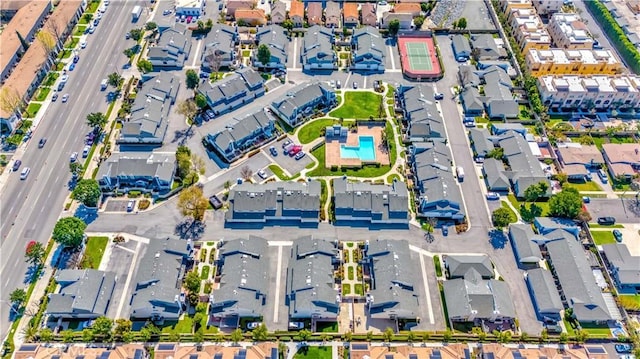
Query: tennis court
point(419, 58)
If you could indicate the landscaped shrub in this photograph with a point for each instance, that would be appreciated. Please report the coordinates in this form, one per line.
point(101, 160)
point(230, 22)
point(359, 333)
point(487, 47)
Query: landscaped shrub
point(134, 194)
point(144, 204)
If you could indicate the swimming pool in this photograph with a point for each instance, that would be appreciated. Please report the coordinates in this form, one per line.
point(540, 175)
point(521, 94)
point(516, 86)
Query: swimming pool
point(365, 151)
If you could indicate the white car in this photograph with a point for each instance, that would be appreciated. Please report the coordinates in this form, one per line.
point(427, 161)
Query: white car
point(296, 325)
point(492, 196)
point(262, 174)
point(83, 44)
point(65, 97)
point(253, 325)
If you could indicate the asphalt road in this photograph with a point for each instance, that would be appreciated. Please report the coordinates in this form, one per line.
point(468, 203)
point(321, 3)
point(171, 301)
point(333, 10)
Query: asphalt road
point(594, 27)
point(30, 208)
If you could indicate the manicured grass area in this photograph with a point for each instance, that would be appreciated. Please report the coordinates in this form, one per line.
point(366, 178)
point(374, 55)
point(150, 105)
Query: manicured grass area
point(94, 252)
point(350, 274)
point(277, 170)
point(367, 171)
point(32, 109)
point(185, 325)
point(205, 272)
point(79, 30)
point(246, 53)
point(595, 225)
point(92, 7)
point(313, 352)
point(312, 130)
point(65, 54)
point(586, 186)
point(327, 327)
point(359, 289)
point(603, 237)
point(630, 302)
point(436, 263)
point(50, 79)
point(388, 130)
point(72, 42)
point(597, 330)
point(83, 20)
point(516, 204)
point(346, 289)
point(324, 193)
point(350, 244)
point(42, 94)
point(570, 329)
point(59, 66)
point(598, 141)
point(393, 176)
point(360, 104)
point(513, 215)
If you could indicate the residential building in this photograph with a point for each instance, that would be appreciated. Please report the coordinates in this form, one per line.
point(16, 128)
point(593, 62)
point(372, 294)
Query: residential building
point(251, 17)
point(190, 7)
point(83, 294)
point(461, 47)
point(577, 284)
point(525, 169)
point(472, 102)
point(546, 225)
point(274, 203)
point(578, 161)
point(242, 135)
point(622, 159)
point(243, 267)
point(568, 31)
point(311, 291)
point(547, 7)
point(457, 266)
point(156, 294)
point(412, 8)
point(474, 299)
point(544, 295)
point(571, 351)
point(497, 102)
point(219, 47)
point(525, 248)
point(215, 351)
point(35, 62)
point(480, 143)
point(332, 14)
point(570, 93)
point(498, 129)
point(234, 5)
point(301, 102)
point(317, 49)
point(405, 19)
point(47, 351)
point(508, 5)
point(149, 172)
point(278, 12)
point(296, 13)
point(368, 50)
point(365, 350)
point(486, 48)
point(314, 13)
point(623, 267)
point(468, 76)
point(393, 293)
point(350, 14)
point(233, 91)
point(25, 23)
point(368, 15)
point(528, 30)
point(425, 123)
point(172, 49)
point(368, 205)
point(572, 62)
point(494, 177)
point(148, 122)
point(275, 38)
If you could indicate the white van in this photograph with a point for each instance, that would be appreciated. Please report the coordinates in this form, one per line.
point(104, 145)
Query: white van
point(25, 173)
point(104, 84)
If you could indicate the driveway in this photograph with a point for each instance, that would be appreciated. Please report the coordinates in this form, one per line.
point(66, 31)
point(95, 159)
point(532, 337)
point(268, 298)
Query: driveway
point(624, 210)
point(116, 205)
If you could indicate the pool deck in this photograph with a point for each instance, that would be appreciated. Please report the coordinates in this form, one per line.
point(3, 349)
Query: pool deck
point(332, 148)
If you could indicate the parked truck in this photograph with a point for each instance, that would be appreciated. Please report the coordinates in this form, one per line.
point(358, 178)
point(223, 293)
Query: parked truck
point(135, 14)
point(460, 173)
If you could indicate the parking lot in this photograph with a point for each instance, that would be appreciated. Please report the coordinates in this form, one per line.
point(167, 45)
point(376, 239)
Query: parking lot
point(624, 210)
point(116, 205)
point(286, 162)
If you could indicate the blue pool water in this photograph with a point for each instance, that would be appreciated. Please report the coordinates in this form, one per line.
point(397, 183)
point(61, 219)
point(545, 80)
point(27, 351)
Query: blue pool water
point(365, 151)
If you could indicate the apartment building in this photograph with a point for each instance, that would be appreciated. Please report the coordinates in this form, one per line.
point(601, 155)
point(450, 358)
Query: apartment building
point(568, 31)
point(548, 7)
point(585, 93)
point(528, 30)
point(508, 5)
point(572, 62)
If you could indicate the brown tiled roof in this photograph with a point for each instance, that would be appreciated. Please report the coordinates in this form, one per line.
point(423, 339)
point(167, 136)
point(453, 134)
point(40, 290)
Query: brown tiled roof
point(350, 10)
point(582, 155)
point(250, 14)
point(411, 8)
point(314, 13)
point(297, 8)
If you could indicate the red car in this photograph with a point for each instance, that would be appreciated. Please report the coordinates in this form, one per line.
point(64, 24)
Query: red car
point(189, 19)
point(294, 150)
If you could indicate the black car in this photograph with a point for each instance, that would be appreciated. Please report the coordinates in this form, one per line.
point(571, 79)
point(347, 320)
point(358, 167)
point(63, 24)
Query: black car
point(16, 165)
point(273, 151)
point(42, 142)
point(606, 221)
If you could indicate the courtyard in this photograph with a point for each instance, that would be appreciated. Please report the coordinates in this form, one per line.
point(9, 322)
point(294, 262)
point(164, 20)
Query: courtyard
point(365, 144)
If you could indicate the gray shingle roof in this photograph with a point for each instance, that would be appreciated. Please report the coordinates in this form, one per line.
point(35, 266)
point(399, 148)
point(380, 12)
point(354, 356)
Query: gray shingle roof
point(84, 293)
point(238, 134)
point(525, 167)
point(138, 164)
point(527, 251)
point(468, 76)
point(459, 265)
point(244, 284)
point(626, 268)
point(420, 107)
point(461, 45)
point(220, 40)
point(310, 284)
point(480, 141)
point(300, 99)
point(173, 45)
point(317, 46)
point(494, 175)
point(275, 38)
point(545, 295)
point(232, 91)
point(487, 46)
point(471, 100)
point(393, 279)
point(570, 264)
point(369, 45)
point(473, 296)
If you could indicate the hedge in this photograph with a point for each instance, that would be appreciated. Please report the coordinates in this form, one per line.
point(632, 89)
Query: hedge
point(615, 34)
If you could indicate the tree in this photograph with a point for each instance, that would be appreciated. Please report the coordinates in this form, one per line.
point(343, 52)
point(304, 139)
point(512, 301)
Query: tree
point(198, 165)
point(447, 335)
point(582, 336)
point(388, 334)
point(10, 100)
point(304, 335)
point(25, 45)
point(501, 217)
point(145, 66)
point(87, 16)
point(47, 41)
point(246, 173)
point(35, 253)
point(236, 336)
point(187, 108)
point(75, 168)
point(87, 335)
point(287, 24)
point(260, 333)
point(411, 337)
point(394, 27)
point(150, 26)
point(102, 327)
point(69, 232)
point(192, 203)
point(114, 79)
point(200, 100)
point(68, 336)
point(214, 61)
point(192, 281)
point(462, 23)
point(264, 55)
point(497, 153)
point(45, 335)
point(123, 326)
point(418, 21)
point(88, 192)
point(97, 120)
point(192, 79)
point(535, 191)
point(18, 297)
point(198, 337)
point(136, 34)
point(567, 203)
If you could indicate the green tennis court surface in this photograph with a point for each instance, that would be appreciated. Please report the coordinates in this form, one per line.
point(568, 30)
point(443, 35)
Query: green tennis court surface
point(419, 57)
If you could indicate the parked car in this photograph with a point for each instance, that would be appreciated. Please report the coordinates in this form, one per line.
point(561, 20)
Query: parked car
point(355, 85)
point(216, 203)
point(25, 173)
point(294, 150)
point(617, 235)
point(262, 174)
point(92, 29)
point(16, 165)
point(338, 84)
point(166, 12)
point(253, 325)
point(73, 157)
point(439, 96)
point(606, 221)
point(273, 151)
point(127, 36)
point(296, 325)
point(586, 199)
point(492, 196)
point(445, 231)
point(286, 143)
point(83, 44)
point(299, 155)
point(65, 98)
point(131, 205)
point(43, 140)
point(54, 97)
point(72, 66)
point(623, 348)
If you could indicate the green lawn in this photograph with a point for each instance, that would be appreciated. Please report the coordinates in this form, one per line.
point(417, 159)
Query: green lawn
point(393, 176)
point(277, 170)
point(603, 237)
point(516, 204)
point(313, 352)
point(598, 141)
point(72, 43)
point(327, 327)
point(32, 109)
point(185, 325)
point(350, 274)
point(630, 302)
point(346, 289)
point(360, 105)
point(50, 79)
point(436, 263)
point(79, 30)
point(366, 172)
point(92, 7)
point(246, 53)
point(595, 225)
point(94, 251)
point(42, 94)
point(205, 272)
point(359, 290)
point(569, 327)
point(312, 130)
point(586, 186)
point(513, 215)
point(597, 330)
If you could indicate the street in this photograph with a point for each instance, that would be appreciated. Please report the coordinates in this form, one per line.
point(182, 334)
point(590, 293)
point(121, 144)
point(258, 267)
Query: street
point(30, 208)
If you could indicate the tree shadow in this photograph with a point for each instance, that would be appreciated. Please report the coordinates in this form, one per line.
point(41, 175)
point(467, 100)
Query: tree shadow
point(190, 229)
point(32, 274)
point(497, 239)
point(634, 207)
point(86, 214)
point(183, 135)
